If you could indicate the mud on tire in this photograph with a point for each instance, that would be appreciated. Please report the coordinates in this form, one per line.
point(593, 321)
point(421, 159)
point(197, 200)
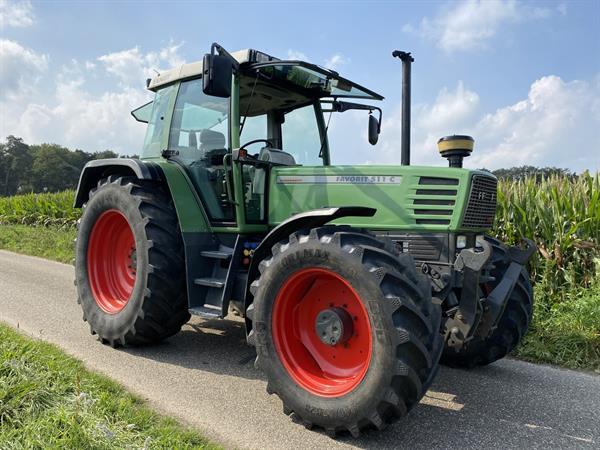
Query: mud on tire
point(513, 324)
point(404, 329)
point(157, 305)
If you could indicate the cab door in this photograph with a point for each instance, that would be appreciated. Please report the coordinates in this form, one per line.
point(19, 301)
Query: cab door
point(199, 139)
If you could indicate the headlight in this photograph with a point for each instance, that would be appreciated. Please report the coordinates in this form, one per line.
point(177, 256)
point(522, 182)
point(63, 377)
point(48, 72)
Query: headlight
point(479, 241)
point(461, 241)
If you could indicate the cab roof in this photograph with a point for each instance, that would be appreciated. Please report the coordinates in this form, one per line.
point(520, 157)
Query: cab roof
point(319, 81)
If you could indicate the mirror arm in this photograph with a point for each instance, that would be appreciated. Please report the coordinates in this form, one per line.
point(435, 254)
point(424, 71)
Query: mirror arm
point(339, 106)
point(223, 52)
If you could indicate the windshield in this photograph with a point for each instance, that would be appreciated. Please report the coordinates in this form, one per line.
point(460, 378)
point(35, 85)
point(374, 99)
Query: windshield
point(314, 80)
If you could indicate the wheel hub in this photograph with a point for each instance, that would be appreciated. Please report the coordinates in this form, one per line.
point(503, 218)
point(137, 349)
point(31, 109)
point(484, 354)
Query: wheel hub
point(111, 261)
point(333, 326)
point(322, 332)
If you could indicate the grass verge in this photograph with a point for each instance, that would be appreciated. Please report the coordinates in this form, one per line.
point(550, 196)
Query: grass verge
point(49, 400)
point(565, 333)
point(49, 242)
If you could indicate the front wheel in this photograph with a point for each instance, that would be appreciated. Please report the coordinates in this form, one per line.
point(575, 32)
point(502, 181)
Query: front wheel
point(345, 330)
point(129, 265)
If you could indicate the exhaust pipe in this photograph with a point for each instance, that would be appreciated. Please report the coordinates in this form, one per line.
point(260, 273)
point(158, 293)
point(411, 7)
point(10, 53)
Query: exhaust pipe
point(405, 140)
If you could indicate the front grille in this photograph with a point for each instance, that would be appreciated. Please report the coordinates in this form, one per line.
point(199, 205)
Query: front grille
point(435, 196)
point(422, 247)
point(481, 208)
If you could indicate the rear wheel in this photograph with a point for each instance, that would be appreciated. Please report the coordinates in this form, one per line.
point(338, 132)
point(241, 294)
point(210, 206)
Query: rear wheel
point(513, 324)
point(129, 265)
point(345, 331)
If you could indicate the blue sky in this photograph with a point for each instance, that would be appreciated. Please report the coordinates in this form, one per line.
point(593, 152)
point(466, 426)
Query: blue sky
point(522, 77)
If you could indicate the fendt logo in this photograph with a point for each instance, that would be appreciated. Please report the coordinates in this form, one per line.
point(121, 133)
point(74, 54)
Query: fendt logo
point(486, 196)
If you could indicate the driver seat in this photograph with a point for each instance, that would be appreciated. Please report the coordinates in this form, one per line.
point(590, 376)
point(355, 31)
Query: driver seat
point(275, 156)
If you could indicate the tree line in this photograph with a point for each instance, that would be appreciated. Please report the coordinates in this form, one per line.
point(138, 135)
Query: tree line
point(42, 168)
point(52, 167)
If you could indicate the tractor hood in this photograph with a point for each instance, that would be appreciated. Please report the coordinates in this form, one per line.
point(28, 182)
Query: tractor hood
point(406, 197)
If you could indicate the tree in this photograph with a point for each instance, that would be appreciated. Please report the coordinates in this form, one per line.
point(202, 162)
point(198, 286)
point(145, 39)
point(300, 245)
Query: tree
point(15, 166)
point(56, 168)
point(518, 173)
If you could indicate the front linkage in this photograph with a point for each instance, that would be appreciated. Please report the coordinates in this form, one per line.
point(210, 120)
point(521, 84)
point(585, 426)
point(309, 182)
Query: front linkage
point(476, 315)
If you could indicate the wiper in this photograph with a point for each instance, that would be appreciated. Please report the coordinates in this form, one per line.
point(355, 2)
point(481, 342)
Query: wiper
point(249, 104)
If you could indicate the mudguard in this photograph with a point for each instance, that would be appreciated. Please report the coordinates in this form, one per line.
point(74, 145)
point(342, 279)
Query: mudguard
point(94, 171)
point(308, 219)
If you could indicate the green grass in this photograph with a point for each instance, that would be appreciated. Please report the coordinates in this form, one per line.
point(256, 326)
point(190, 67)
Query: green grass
point(49, 242)
point(49, 400)
point(566, 333)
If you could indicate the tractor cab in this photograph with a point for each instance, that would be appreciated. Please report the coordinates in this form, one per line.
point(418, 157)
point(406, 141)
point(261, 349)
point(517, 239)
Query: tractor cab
point(272, 110)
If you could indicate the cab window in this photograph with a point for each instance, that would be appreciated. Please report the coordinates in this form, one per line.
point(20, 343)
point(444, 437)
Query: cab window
point(200, 138)
point(155, 131)
point(301, 137)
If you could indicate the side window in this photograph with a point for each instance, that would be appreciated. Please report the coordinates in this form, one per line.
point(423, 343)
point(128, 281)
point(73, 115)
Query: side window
point(301, 137)
point(199, 133)
point(153, 142)
point(253, 178)
point(199, 122)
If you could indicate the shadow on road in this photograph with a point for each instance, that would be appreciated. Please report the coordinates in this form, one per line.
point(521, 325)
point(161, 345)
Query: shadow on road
point(474, 406)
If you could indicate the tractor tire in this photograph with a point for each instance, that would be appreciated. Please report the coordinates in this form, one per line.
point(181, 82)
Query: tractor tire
point(513, 324)
point(345, 330)
point(129, 263)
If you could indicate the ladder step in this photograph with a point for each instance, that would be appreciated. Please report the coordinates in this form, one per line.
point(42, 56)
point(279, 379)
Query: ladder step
point(205, 312)
point(216, 254)
point(210, 282)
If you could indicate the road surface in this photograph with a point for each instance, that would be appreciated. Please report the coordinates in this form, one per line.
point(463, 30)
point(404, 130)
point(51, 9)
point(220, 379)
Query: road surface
point(205, 377)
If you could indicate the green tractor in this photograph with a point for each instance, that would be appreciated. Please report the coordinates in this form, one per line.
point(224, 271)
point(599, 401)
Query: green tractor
point(354, 281)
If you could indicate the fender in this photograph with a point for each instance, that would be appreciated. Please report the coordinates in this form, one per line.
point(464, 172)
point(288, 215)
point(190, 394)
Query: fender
point(308, 219)
point(94, 171)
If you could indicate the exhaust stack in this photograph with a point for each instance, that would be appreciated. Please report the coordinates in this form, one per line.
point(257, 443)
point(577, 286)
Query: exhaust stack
point(405, 140)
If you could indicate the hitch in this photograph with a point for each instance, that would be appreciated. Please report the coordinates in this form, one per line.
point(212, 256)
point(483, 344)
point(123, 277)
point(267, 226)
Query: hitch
point(459, 328)
point(475, 314)
point(494, 304)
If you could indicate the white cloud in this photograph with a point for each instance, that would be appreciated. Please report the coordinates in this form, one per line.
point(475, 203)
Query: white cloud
point(296, 55)
point(447, 115)
point(16, 14)
point(78, 119)
point(556, 125)
point(132, 66)
point(470, 24)
point(20, 68)
point(335, 61)
point(67, 110)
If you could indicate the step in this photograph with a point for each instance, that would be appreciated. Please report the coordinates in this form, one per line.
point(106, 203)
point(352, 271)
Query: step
point(217, 254)
point(210, 282)
point(206, 312)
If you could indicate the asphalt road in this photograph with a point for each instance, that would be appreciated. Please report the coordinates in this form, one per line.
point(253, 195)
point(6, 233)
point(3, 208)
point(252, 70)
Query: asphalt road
point(205, 376)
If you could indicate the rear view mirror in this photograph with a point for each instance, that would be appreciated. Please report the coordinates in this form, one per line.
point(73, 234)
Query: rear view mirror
point(216, 75)
point(374, 129)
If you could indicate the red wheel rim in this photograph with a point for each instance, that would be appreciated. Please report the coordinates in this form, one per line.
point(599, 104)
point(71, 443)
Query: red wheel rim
point(111, 261)
point(324, 370)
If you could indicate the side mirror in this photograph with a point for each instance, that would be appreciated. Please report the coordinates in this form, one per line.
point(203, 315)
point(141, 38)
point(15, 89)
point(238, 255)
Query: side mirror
point(216, 75)
point(374, 129)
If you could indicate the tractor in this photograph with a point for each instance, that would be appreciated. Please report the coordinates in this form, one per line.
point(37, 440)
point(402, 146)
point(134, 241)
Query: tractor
point(354, 282)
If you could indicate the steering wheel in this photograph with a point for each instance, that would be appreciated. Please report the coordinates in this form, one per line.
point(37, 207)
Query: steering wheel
point(256, 141)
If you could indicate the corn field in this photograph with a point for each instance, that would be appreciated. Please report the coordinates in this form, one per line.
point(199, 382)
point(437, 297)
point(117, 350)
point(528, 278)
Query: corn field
point(52, 209)
point(562, 216)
